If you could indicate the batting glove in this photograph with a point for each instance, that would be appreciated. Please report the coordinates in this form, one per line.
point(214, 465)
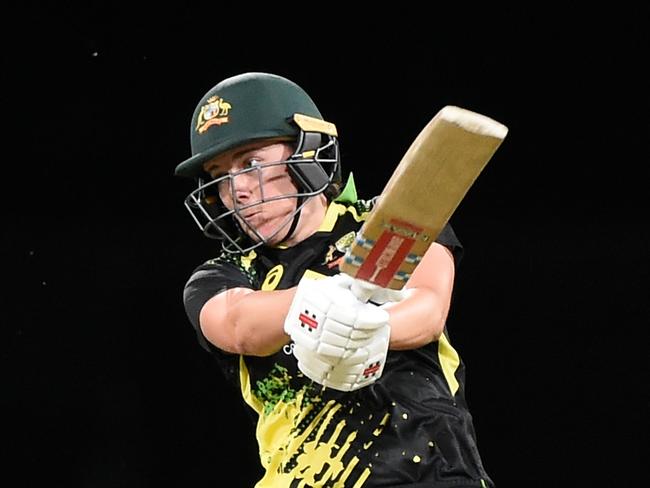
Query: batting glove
point(327, 318)
point(369, 292)
point(339, 341)
point(357, 368)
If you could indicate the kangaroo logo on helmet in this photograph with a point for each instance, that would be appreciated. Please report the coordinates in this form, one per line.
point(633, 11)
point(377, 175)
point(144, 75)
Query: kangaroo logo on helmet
point(215, 112)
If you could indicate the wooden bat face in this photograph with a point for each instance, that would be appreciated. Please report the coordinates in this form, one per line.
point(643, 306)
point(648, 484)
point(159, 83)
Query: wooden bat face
point(423, 192)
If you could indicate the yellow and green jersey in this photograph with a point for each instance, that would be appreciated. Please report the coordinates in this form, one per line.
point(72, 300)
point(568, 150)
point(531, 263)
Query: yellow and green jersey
point(411, 428)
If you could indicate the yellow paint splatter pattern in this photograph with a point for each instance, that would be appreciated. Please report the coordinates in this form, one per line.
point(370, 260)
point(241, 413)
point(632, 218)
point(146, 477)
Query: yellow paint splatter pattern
point(300, 441)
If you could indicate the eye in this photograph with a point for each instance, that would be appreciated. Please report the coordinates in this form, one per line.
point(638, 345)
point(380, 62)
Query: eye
point(216, 174)
point(215, 171)
point(254, 161)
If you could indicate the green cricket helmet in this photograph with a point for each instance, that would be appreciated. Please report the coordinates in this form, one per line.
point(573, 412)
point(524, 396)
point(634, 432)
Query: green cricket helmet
point(244, 109)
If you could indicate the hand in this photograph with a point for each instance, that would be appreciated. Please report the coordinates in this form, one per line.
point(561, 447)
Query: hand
point(339, 341)
point(357, 368)
point(326, 317)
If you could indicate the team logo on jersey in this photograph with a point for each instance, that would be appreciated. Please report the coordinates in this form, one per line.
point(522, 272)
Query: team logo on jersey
point(335, 252)
point(215, 112)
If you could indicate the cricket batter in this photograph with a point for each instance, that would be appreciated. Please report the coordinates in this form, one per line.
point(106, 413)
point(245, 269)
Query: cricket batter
point(348, 392)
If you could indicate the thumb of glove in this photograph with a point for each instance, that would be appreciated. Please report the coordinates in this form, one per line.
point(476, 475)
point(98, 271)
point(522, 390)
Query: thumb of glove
point(383, 296)
point(363, 290)
point(366, 291)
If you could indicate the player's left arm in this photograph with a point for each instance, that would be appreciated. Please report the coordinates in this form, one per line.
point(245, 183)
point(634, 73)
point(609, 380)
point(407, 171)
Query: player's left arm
point(420, 317)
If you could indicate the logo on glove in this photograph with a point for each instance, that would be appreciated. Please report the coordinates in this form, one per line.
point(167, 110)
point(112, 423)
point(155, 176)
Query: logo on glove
point(339, 340)
point(308, 320)
point(372, 369)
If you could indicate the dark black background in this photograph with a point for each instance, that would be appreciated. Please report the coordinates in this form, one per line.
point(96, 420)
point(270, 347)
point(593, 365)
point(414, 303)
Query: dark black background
point(103, 382)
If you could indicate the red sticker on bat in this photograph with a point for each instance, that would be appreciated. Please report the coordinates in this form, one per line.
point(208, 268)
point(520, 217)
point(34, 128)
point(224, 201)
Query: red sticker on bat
point(388, 253)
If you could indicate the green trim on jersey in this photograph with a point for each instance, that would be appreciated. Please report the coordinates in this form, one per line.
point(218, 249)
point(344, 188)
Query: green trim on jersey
point(349, 193)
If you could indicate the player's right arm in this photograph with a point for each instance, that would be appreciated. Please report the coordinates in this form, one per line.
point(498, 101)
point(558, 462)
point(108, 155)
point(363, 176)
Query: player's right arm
point(245, 321)
point(227, 312)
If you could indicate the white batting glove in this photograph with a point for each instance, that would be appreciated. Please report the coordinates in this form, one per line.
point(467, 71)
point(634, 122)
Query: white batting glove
point(358, 368)
point(339, 341)
point(366, 291)
point(325, 317)
point(369, 292)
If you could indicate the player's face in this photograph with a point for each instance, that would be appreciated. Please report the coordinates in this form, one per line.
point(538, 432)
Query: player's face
point(251, 185)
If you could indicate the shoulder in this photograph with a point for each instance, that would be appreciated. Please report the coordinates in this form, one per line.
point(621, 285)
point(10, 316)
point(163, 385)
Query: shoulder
point(213, 277)
point(219, 274)
point(228, 265)
point(364, 206)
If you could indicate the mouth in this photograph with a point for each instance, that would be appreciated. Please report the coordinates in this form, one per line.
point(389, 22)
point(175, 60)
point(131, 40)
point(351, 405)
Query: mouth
point(249, 215)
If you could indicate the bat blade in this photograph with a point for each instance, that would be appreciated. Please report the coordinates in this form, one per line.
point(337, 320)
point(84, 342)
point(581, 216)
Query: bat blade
point(418, 200)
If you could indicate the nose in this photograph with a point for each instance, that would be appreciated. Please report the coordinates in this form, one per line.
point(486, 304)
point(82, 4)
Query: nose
point(244, 186)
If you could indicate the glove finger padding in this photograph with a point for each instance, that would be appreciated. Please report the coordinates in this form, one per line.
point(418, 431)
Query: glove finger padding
point(339, 341)
point(328, 319)
point(370, 317)
point(338, 338)
point(312, 302)
point(312, 365)
point(360, 368)
point(363, 366)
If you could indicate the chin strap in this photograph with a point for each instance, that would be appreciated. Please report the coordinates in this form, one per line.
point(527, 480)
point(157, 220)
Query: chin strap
point(296, 218)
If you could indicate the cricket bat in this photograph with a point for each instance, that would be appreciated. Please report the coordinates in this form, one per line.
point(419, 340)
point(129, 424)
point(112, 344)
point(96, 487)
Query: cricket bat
point(423, 192)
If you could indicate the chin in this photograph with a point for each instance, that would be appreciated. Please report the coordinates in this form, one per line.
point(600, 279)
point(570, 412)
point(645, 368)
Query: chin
point(272, 236)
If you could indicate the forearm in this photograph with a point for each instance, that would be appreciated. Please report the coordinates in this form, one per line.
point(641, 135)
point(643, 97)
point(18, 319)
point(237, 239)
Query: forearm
point(420, 318)
point(247, 322)
point(417, 320)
